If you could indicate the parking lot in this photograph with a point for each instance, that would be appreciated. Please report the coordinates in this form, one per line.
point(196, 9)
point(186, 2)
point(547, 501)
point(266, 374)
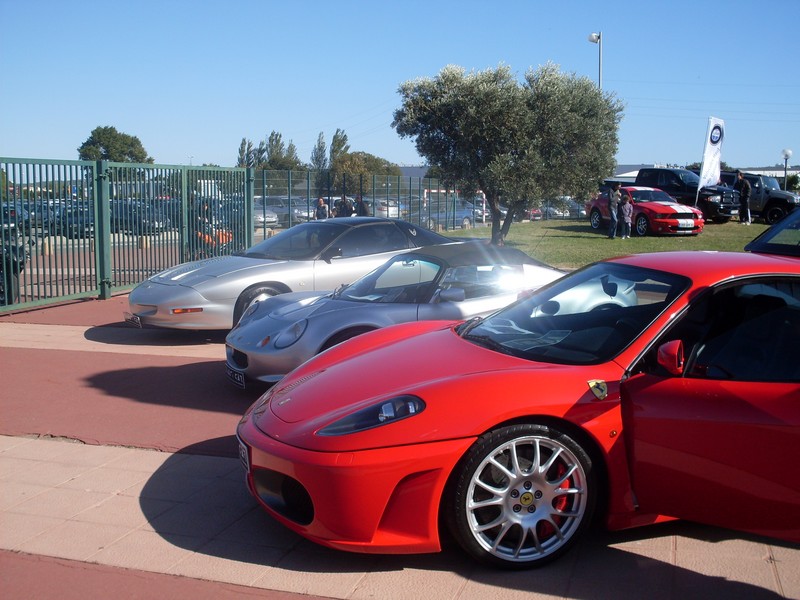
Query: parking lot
point(118, 463)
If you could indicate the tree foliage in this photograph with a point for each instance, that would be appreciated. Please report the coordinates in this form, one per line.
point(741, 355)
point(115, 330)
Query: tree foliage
point(270, 154)
point(553, 134)
point(106, 143)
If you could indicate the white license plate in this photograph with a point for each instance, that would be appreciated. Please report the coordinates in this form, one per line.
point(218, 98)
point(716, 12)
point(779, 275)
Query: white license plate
point(237, 377)
point(133, 320)
point(244, 456)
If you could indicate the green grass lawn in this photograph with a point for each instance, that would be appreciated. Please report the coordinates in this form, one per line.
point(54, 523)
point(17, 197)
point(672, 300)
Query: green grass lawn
point(569, 244)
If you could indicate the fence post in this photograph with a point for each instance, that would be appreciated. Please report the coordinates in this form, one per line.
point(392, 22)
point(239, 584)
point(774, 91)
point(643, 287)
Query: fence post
point(249, 206)
point(103, 204)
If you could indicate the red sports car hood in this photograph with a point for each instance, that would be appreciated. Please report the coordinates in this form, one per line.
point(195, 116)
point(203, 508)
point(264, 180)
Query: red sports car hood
point(368, 368)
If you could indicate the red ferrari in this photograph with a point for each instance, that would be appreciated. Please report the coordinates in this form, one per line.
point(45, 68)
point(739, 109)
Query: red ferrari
point(654, 212)
point(635, 390)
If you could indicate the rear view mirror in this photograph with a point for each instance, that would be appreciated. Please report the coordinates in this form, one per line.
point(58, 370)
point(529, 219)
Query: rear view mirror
point(331, 253)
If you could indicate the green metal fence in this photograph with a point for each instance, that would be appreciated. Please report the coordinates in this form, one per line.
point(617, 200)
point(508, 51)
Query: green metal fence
point(75, 229)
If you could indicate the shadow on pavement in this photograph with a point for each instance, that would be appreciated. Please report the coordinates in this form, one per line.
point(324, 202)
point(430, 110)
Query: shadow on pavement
point(215, 515)
point(200, 385)
point(126, 335)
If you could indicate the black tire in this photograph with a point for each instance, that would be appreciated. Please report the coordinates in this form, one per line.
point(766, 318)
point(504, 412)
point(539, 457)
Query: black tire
point(466, 223)
point(249, 297)
point(595, 219)
point(536, 516)
point(642, 225)
point(774, 213)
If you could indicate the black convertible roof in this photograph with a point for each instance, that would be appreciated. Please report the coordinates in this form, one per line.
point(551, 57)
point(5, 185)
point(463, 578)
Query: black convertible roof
point(459, 254)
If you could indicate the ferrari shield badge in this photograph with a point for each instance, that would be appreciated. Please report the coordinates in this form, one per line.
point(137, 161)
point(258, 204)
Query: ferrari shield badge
point(599, 388)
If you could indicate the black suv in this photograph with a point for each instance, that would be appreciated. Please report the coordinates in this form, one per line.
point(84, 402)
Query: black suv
point(718, 202)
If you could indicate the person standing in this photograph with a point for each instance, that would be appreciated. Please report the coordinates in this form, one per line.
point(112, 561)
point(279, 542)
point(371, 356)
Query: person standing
point(362, 208)
point(321, 211)
point(743, 187)
point(614, 197)
point(344, 208)
point(626, 214)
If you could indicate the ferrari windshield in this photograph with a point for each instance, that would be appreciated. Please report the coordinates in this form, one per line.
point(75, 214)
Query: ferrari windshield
point(301, 242)
point(587, 317)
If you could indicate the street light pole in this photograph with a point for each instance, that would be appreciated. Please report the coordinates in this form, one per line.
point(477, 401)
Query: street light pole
point(597, 38)
point(787, 154)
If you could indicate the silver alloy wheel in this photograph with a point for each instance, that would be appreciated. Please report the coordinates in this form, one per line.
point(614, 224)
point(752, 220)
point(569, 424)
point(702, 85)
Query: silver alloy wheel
point(595, 219)
point(642, 225)
point(527, 499)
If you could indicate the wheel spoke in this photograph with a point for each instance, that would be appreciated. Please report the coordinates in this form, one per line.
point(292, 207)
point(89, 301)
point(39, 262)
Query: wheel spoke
point(553, 458)
point(500, 520)
point(567, 474)
point(502, 468)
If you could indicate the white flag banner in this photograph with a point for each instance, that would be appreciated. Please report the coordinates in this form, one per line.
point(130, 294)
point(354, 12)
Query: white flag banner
point(709, 172)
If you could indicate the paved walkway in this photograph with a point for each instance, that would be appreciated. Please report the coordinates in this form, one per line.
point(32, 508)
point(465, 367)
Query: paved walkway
point(172, 516)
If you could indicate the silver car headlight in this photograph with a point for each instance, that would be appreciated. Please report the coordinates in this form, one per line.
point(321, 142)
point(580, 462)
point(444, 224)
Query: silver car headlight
point(291, 334)
point(380, 413)
point(716, 199)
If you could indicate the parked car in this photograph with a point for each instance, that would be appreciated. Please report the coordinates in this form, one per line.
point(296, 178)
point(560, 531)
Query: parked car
point(14, 221)
point(138, 217)
point(576, 209)
point(290, 211)
point(383, 207)
point(767, 199)
point(450, 213)
point(512, 431)
point(450, 281)
point(534, 214)
point(718, 202)
point(654, 212)
point(74, 221)
point(264, 218)
point(318, 255)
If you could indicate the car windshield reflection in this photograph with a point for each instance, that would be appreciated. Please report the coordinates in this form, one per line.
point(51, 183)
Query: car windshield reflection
point(302, 242)
point(585, 318)
point(405, 279)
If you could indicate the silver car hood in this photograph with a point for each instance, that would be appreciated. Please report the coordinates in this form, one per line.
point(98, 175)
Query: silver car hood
point(199, 271)
point(302, 310)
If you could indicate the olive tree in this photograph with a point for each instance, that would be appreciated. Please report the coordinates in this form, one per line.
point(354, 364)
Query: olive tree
point(551, 134)
point(106, 143)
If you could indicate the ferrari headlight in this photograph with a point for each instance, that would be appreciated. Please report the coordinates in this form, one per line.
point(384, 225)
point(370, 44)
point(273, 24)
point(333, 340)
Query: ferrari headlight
point(381, 413)
point(291, 334)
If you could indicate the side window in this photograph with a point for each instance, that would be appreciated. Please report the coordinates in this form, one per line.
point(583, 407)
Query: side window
point(753, 334)
point(372, 239)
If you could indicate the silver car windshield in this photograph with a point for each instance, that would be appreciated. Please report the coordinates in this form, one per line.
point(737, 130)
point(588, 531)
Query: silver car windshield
point(587, 317)
point(301, 242)
point(404, 279)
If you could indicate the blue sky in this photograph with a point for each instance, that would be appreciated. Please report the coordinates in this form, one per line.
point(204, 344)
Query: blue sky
point(191, 79)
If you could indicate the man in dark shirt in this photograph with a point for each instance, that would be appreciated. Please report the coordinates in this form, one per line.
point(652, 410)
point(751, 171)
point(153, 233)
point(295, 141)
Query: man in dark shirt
point(743, 187)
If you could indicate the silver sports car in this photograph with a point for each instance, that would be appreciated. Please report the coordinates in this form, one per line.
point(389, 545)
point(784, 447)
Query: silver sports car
point(449, 282)
point(319, 255)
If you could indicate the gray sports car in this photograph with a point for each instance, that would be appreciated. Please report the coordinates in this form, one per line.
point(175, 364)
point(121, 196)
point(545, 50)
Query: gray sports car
point(319, 255)
point(448, 282)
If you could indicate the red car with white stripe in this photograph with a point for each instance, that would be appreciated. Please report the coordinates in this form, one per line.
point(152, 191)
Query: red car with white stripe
point(654, 212)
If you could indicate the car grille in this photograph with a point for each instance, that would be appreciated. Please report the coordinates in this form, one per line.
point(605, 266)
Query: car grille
point(239, 359)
